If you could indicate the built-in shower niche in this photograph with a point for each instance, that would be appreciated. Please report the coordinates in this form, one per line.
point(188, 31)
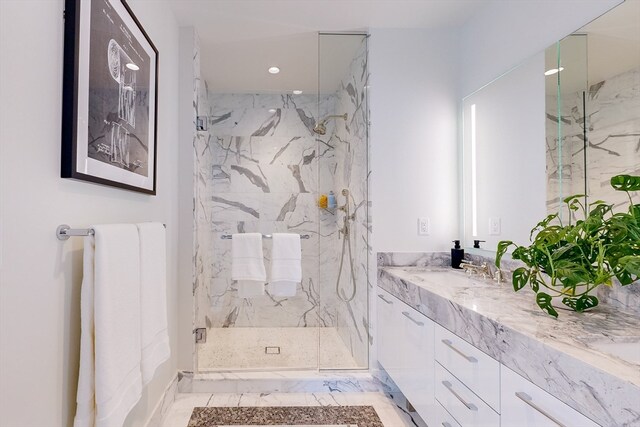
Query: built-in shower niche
point(260, 167)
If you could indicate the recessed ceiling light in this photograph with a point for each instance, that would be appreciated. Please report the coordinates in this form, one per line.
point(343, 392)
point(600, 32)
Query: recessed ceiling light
point(272, 110)
point(553, 71)
point(132, 66)
point(274, 70)
point(297, 92)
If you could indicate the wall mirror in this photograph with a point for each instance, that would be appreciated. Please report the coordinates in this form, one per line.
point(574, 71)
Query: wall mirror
point(561, 123)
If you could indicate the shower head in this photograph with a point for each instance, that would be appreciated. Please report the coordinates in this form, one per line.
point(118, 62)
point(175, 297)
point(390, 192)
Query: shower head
point(321, 127)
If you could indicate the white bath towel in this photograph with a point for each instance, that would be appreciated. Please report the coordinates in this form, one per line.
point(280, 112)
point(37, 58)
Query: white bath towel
point(154, 335)
point(109, 382)
point(286, 264)
point(247, 264)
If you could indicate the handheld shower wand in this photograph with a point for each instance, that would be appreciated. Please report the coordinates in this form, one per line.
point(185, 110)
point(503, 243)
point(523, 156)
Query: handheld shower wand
point(346, 230)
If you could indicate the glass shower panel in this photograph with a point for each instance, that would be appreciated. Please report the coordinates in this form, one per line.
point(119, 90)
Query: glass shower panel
point(566, 140)
point(261, 166)
point(342, 136)
point(256, 171)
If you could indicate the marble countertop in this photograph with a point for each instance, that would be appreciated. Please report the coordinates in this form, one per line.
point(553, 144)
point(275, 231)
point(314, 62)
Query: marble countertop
point(591, 361)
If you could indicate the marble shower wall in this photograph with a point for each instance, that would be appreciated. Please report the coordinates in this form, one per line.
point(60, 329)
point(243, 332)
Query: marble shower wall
point(613, 146)
point(352, 173)
point(259, 172)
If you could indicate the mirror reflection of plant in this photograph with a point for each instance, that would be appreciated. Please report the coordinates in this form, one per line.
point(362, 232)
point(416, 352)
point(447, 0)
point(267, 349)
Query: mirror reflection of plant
point(570, 261)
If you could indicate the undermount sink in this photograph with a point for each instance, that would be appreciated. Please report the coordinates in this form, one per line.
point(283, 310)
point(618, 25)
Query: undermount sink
point(627, 348)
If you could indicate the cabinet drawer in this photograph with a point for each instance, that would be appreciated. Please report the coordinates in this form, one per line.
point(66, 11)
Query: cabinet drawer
point(443, 418)
point(526, 405)
point(467, 408)
point(477, 370)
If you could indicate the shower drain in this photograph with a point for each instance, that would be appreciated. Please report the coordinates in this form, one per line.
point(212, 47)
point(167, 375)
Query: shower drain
point(272, 350)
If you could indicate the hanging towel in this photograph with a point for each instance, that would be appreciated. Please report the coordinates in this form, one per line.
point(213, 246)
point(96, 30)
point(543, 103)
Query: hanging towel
point(286, 264)
point(247, 264)
point(154, 335)
point(109, 382)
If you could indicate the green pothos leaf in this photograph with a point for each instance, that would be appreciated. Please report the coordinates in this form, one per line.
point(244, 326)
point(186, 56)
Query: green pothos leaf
point(502, 249)
point(586, 302)
point(520, 278)
point(626, 183)
point(544, 302)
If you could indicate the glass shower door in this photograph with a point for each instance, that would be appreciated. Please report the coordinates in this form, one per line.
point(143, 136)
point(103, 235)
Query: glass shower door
point(344, 176)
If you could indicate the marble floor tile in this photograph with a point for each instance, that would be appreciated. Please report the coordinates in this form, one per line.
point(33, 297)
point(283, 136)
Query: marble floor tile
point(389, 409)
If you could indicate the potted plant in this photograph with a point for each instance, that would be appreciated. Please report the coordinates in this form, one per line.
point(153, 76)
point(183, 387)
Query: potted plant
point(568, 262)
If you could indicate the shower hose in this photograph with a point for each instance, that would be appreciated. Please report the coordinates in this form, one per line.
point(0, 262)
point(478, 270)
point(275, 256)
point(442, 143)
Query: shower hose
point(347, 242)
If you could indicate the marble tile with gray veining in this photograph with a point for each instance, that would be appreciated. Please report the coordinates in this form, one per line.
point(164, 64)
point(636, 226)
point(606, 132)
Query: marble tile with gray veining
point(587, 360)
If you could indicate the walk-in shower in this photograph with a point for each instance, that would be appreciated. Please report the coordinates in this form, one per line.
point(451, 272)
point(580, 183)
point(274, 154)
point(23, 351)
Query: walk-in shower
point(262, 165)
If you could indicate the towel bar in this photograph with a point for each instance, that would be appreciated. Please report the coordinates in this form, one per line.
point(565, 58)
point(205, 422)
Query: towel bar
point(264, 236)
point(63, 232)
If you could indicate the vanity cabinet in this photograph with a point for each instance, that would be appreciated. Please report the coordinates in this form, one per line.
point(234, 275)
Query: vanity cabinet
point(524, 404)
point(405, 350)
point(451, 383)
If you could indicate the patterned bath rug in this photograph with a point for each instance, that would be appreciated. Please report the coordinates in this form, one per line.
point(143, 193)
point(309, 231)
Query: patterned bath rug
point(342, 416)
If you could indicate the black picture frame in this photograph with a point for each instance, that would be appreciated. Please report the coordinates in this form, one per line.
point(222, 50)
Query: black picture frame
point(110, 97)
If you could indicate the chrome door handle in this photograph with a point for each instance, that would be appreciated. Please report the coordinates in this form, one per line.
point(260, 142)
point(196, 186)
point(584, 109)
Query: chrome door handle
point(384, 299)
point(529, 401)
point(451, 346)
point(406, 314)
point(469, 406)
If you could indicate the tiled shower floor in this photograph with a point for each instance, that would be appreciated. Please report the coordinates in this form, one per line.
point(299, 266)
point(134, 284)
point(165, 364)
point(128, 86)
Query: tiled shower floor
point(300, 348)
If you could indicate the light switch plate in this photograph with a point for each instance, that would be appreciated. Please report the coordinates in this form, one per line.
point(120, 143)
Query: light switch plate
point(495, 226)
point(423, 226)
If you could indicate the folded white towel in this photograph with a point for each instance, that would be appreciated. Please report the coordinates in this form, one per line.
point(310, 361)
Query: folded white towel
point(247, 264)
point(283, 289)
point(154, 334)
point(286, 264)
point(109, 382)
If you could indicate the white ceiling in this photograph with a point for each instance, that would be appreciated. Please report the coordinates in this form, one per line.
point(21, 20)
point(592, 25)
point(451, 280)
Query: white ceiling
point(240, 39)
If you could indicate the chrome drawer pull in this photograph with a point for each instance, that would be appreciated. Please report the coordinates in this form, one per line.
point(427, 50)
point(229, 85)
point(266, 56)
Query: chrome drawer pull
point(450, 345)
point(529, 401)
point(449, 387)
point(384, 299)
point(445, 424)
point(406, 314)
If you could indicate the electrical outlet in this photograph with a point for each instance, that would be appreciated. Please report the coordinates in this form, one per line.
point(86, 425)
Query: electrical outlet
point(423, 226)
point(495, 226)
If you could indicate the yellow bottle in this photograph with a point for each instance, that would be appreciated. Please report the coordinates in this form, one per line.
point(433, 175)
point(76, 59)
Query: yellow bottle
point(323, 201)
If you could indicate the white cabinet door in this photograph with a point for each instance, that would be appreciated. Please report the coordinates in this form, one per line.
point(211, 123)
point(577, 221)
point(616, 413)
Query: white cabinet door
point(388, 336)
point(417, 371)
point(524, 404)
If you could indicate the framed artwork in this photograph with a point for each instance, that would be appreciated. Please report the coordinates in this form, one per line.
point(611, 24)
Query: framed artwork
point(110, 95)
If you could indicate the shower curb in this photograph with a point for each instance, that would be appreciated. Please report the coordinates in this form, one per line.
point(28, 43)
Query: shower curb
point(281, 382)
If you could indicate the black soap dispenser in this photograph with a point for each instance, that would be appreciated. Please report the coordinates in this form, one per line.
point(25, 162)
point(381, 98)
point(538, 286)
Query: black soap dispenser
point(457, 254)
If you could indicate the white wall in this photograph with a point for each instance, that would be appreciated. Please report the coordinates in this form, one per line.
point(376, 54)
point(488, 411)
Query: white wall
point(413, 138)
point(505, 33)
point(40, 276)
